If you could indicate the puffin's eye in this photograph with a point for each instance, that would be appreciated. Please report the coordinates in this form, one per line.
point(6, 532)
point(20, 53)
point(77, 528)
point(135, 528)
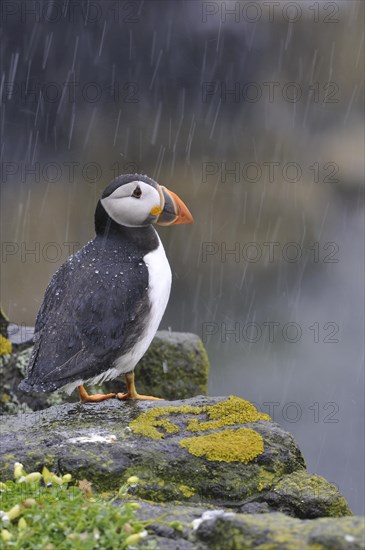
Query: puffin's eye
point(137, 192)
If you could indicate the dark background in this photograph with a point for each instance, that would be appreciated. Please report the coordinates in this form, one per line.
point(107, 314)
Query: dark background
point(91, 89)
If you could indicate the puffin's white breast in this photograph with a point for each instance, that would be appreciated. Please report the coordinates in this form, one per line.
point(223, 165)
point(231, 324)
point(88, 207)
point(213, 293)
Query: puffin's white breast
point(159, 286)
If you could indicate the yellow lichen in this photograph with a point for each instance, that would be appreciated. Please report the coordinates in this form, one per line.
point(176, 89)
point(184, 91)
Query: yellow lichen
point(5, 345)
point(227, 413)
point(186, 491)
point(169, 426)
point(240, 445)
point(147, 422)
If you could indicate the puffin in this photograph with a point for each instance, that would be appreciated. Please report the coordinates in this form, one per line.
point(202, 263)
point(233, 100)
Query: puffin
point(103, 306)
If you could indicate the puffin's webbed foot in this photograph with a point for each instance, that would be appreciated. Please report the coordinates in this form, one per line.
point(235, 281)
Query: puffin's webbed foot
point(132, 392)
point(86, 398)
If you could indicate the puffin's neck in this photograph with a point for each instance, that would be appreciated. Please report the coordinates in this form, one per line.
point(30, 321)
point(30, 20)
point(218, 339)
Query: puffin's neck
point(145, 237)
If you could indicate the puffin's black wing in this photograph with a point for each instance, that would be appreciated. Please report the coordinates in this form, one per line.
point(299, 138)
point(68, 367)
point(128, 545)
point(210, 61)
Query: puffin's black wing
point(91, 313)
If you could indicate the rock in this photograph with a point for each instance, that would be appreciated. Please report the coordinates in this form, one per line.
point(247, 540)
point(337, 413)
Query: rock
point(20, 336)
point(175, 367)
point(167, 536)
point(191, 465)
point(108, 442)
point(12, 400)
point(215, 451)
point(219, 529)
point(205, 528)
point(303, 495)
point(12, 367)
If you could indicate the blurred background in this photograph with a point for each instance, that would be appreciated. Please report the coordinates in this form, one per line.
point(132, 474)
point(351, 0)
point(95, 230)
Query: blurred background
point(253, 113)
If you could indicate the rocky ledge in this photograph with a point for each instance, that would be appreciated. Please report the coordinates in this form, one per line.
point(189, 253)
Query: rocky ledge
point(175, 367)
point(230, 475)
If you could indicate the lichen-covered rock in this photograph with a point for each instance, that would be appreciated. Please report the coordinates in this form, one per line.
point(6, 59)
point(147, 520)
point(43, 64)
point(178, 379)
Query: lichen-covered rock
point(175, 367)
point(12, 371)
point(217, 451)
point(110, 441)
point(188, 526)
point(170, 525)
point(304, 495)
point(219, 529)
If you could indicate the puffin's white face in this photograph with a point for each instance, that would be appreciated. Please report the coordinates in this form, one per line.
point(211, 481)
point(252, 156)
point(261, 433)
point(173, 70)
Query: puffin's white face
point(134, 204)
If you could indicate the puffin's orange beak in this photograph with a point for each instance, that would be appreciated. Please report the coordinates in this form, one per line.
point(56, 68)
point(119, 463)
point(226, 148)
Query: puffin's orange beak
point(174, 211)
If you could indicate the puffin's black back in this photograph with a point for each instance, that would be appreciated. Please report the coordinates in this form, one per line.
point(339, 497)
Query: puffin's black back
point(94, 308)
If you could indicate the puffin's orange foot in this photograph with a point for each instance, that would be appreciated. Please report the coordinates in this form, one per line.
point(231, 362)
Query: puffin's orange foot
point(132, 392)
point(137, 396)
point(86, 398)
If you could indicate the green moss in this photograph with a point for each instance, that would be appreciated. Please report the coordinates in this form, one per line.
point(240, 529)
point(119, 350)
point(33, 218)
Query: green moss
point(264, 479)
point(305, 490)
point(46, 458)
point(10, 457)
point(153, 488)
point(241, 445)
point(278, 531)
point(157, 490)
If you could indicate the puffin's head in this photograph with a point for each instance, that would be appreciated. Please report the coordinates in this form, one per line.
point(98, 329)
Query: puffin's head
point(134, 200)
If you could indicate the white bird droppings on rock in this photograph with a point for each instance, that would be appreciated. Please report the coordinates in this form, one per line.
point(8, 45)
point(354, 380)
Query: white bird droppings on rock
point(94, 438)
point(210, 514)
